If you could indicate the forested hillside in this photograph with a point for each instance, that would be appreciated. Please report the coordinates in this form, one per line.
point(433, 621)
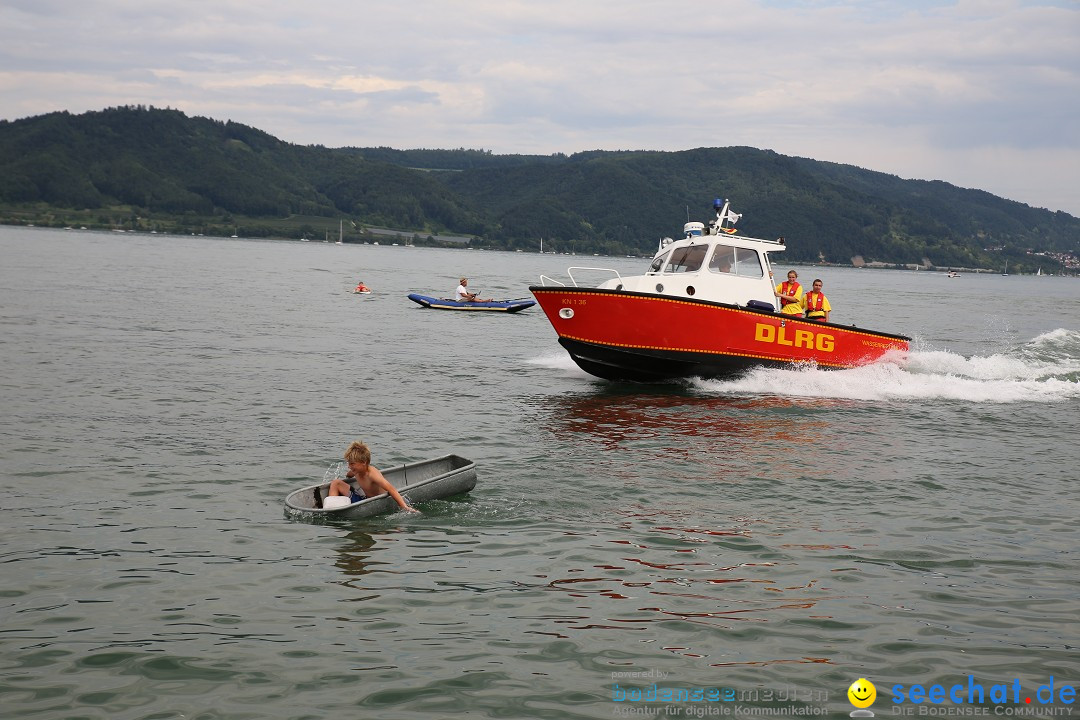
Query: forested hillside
point(142, 167)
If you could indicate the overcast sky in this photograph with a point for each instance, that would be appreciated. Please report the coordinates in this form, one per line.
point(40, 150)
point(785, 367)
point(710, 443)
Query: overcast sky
point(979, 93)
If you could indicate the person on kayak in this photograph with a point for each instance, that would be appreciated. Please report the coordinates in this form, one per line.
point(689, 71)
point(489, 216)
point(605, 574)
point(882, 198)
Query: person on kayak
point(370, 480)
point(462, 293)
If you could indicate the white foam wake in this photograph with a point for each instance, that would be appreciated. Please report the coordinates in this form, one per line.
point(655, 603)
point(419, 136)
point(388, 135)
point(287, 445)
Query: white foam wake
point(556, 360)
point(1046, 369)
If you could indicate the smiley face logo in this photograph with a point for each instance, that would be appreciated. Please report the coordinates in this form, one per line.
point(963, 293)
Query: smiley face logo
point(862, 693)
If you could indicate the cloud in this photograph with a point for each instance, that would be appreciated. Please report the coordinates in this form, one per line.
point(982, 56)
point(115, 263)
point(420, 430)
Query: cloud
point(980, 94)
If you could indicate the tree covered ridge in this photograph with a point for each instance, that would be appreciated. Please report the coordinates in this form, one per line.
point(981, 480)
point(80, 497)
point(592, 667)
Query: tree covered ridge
point(161, 163)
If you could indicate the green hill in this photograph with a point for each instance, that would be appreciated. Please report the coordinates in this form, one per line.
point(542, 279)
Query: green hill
point(143, 167)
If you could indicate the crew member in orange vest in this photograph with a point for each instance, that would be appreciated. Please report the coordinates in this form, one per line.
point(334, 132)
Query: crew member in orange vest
point(816, 304)
point(790, 293)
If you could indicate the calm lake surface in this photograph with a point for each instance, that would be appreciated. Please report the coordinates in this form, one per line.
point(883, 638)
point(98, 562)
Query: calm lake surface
point(770, 539)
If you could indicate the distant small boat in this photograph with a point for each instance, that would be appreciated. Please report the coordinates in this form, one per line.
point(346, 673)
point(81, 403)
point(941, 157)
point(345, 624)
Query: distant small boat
point(417, 482)
point(1006, 273)
point(507, 306)
point(952, 274)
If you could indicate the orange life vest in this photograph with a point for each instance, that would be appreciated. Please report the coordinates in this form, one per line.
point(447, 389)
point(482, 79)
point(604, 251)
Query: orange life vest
point(815, 303)
point(787, 289)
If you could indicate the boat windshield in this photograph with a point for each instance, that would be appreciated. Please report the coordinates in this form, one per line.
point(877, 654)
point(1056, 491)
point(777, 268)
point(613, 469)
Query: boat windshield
point(658, 263)
point(735, 260)
point(686, 259)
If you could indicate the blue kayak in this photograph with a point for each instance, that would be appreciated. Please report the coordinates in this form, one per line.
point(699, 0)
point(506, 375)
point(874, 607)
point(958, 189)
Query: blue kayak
point(509, 306)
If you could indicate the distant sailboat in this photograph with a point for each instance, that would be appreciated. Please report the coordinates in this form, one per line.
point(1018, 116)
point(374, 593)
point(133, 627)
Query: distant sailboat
point(1006, 273)
point(1039, 272)
point(341, 232)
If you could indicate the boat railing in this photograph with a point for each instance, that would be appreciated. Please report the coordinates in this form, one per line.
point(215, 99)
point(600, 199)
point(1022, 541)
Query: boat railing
point(544, 279)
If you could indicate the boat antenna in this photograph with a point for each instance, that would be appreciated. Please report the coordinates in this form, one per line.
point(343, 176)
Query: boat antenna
point(725, 215)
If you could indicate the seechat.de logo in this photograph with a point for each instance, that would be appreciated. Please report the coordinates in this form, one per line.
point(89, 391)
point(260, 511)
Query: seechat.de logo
point(862, 694)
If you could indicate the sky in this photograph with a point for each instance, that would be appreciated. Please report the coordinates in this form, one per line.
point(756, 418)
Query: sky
point(979, 93)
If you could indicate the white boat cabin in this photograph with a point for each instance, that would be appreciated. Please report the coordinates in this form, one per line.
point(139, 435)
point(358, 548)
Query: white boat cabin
point(707, 263)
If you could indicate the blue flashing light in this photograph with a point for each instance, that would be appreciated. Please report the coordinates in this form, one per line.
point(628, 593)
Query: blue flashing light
point(718, 204)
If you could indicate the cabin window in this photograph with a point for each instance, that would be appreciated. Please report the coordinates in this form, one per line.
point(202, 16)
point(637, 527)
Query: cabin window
point(658, 263)
point(736, 260)
point(748, 263)
point(686, 259)
point(723, 259)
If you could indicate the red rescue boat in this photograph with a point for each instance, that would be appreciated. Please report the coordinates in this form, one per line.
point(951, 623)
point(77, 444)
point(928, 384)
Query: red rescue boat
point(704, 308)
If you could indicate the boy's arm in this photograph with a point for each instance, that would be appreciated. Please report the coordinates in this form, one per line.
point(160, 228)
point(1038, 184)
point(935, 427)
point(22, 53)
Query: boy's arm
point(383, 483)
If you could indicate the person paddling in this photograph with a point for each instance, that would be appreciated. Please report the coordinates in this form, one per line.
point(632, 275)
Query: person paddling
point(462, 293)
point(369, 480)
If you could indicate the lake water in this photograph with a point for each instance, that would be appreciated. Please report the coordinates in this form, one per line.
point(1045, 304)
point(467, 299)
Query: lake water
point(768, 540)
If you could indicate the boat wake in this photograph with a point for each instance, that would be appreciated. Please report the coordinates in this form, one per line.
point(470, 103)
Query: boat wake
point(1045, 369)
point(559, 360)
